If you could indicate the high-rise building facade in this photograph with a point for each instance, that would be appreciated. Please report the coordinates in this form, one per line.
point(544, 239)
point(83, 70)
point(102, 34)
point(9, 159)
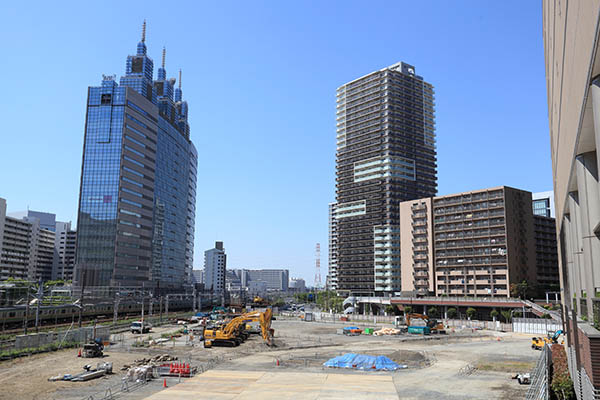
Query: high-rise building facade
point(385, 154)
point(332, 273)
point(474, 243)
point(27, 245)
point(546, 255)
point(215, 267)
point(138, 182)
point(543, 204)
point(64, 254)
point(571, 46)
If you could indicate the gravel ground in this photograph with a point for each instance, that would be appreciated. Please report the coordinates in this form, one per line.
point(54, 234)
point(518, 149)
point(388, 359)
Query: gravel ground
point(434, 371)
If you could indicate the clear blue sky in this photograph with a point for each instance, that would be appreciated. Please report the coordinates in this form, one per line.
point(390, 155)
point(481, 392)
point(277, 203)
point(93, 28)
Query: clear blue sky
point(260, 78)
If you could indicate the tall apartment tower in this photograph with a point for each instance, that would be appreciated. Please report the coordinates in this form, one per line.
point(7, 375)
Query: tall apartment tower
point(215, 266)
point(138, 182)
point(385, 154)
point(332, 272)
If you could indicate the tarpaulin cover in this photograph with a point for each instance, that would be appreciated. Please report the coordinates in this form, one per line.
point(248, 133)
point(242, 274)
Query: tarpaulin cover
point(362, 361)
point(350, 328)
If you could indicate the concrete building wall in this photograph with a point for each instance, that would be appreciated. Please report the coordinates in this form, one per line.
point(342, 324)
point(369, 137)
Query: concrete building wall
point(416, 247)
point(571, 36)
point(215, 266)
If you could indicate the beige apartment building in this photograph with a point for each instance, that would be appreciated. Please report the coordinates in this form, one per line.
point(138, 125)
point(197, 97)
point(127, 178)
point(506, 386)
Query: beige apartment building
point(571, 38)
point(468, 244)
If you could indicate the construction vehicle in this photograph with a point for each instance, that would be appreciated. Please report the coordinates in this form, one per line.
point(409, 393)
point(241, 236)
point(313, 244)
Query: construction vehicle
point(538, 343)
point(433, 325)
point(93, 349)
point(234, 332)
point(258, 301)
point(140, 327)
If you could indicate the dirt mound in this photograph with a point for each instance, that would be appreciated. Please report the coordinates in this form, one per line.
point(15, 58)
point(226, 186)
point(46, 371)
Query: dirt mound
point(413, 359)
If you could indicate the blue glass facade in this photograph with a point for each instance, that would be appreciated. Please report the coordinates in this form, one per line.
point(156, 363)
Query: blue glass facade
point(138, 183)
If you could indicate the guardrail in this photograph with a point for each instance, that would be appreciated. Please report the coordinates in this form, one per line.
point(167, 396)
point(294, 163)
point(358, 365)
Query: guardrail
point(540, 377)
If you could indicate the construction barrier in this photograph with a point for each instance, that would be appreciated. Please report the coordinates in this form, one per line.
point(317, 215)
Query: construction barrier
point(79, 335)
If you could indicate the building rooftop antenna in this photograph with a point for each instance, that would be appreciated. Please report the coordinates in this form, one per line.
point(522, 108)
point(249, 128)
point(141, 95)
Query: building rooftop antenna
point(164, 56)
point(144, 32)
point(179, 78)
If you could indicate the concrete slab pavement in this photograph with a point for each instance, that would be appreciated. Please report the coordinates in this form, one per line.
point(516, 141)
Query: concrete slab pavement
point(242, 385)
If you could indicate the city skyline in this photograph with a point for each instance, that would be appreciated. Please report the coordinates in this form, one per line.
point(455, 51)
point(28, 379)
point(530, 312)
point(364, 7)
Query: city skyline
point(251, 188)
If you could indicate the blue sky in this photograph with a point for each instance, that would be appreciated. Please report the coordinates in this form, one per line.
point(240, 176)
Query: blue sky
point(260, 78)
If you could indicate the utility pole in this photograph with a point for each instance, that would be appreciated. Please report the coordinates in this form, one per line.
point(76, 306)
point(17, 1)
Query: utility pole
point(160, 302)
point(116, 309)
point(167, 308)
point(40, 294)
point(26, 320)
point(142, 307)
point(81, 299)
point(195, 300)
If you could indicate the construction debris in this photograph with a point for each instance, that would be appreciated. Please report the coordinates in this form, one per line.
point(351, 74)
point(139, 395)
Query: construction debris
point(140, 374)
point(387, 331)
point(89, 373)
point(153, 361)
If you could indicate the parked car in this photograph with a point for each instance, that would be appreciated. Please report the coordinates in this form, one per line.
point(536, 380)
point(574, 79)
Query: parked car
point(140, 327)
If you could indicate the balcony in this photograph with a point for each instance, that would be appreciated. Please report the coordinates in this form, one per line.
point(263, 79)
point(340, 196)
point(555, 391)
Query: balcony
point(421, 274)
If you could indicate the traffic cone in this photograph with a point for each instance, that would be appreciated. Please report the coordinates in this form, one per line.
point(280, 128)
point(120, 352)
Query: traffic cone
point(79, 353)
point(165, 382)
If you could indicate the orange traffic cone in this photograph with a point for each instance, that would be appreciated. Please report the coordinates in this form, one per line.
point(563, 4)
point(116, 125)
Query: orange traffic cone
point(165, 383)
point(79, 353)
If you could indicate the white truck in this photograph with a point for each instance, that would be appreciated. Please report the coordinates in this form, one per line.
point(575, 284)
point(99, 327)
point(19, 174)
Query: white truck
point(140, 327)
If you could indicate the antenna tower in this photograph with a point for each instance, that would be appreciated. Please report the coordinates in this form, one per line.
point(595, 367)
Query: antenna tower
point(318, 266)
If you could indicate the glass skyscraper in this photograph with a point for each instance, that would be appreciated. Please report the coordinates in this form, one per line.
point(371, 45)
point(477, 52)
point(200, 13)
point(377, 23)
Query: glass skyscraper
point(138, 182)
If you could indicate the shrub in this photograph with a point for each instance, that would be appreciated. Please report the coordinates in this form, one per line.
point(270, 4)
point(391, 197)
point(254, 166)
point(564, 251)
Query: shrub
point(561, 383)
point(452, 312)
point(471, 312)
point(432, 311)
point(494, 313)
point(407, 309)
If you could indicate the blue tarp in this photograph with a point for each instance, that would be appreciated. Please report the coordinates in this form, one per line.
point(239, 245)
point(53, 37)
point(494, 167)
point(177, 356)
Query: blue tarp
point(362, 361)
point(350, 328)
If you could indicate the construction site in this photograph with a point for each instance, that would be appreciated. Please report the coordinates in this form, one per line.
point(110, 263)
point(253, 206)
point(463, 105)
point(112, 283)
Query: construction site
point(255, 355)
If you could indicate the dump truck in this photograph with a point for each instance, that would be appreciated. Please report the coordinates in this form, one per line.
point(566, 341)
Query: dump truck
point(234, 332)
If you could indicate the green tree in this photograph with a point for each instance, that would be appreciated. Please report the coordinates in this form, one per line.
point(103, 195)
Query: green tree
point(432, 311)
point(471, 312)
point(494, 313)
point(507, 316)
point(452, 313)
point(407, 310)
point(522, 290)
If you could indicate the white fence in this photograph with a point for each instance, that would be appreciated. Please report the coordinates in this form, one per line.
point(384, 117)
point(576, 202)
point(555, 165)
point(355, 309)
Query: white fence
point(533, 325)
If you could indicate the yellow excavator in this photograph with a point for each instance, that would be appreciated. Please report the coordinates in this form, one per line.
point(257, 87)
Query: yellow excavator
point(234, 332)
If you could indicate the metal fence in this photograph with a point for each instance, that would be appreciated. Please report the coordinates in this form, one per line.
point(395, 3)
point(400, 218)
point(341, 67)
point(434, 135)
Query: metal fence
point(534, 325)
point(540, 377)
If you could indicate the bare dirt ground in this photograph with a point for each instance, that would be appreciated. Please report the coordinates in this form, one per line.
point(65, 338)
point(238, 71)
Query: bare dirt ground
point(462, 365)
